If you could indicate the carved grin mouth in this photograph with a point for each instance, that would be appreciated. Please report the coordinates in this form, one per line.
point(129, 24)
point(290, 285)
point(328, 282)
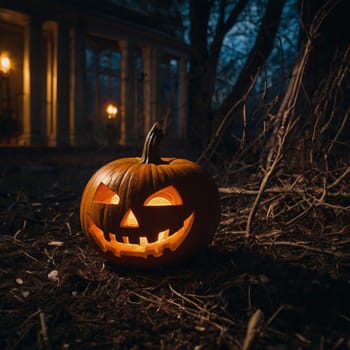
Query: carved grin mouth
point(144, 248)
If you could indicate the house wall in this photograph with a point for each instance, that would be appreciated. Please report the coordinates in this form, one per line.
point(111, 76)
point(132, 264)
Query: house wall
point(58, 102)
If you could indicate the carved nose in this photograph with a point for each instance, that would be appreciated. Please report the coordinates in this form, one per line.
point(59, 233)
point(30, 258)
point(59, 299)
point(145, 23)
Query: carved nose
point(129, 220)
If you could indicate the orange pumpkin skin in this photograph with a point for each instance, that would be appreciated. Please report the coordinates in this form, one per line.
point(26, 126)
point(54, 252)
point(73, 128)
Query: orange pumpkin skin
point(124, 219)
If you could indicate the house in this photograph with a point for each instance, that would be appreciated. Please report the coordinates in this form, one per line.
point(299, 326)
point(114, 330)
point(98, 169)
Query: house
point(81, 72)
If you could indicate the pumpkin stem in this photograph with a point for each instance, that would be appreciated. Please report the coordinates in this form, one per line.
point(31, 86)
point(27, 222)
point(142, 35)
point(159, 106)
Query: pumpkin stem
point(150, 153)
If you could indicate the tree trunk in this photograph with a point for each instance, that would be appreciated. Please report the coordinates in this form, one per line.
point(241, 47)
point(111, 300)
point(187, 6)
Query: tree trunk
point(198, 93)
point(203, 65)
point(257, 58)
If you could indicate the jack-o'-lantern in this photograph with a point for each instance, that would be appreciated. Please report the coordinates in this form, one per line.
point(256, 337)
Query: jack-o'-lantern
point(150, 211)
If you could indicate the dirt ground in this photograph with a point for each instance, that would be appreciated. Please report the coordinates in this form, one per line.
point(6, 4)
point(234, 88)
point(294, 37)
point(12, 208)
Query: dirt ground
point(57, 293)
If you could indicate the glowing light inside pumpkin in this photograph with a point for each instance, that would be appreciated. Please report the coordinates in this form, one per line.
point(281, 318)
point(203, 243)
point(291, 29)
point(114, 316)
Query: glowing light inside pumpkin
point(104, 194)
point(165, 196)
point(163, 235)
point(129, 220)
point(143, 241)
point(144, 248)
point(158, 201)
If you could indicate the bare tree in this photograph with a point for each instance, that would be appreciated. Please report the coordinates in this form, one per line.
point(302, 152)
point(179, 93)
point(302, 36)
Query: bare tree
point(204, 61)
point(205, 57)
point(300, 153)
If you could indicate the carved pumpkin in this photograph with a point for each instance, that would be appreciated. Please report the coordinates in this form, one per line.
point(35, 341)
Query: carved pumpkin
point(150, 211)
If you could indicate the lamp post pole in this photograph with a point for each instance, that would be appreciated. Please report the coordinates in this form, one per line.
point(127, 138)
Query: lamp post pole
point(111, 129)
point(8, 124)
point(5, 67)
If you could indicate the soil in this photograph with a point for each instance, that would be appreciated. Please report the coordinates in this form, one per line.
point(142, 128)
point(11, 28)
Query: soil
point(285, 291)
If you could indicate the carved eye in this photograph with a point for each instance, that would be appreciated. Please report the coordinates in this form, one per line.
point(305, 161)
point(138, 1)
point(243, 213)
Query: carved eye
point(105, 195)
point(164, 197)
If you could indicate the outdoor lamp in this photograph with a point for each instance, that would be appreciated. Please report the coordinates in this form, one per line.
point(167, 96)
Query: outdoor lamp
point(112, 111)
point(5, 64)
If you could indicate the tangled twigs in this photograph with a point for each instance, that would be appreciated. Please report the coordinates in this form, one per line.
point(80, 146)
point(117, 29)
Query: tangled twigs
point(264, 183)
point(209, 151)
point(285, 119)
point(327, 126)
point(276, 155)
point(296, 196)
point(199, 308)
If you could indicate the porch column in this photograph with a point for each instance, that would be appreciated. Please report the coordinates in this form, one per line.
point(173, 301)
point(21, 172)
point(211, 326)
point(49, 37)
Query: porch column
point(150, 87)
point(182, 99)
point(127, 94)
point(78, 134)
point(32, 90)
point(62, 85)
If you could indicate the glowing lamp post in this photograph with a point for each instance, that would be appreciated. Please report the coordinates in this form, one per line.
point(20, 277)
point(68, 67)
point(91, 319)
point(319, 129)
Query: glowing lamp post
point(5, 67)
point(8, 127)
point(110, 128)
point(112, 111)
point(5, 64)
